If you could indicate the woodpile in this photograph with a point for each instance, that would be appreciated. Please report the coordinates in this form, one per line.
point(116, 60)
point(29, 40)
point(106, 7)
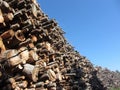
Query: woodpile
point(34, 55)
point(110, 79)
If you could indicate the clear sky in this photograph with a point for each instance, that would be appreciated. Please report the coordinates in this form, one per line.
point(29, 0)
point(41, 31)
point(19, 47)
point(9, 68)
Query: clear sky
point(91, 26)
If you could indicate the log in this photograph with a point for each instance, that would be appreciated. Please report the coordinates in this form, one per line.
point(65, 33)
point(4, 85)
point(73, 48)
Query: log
point(5, 6)
point(35, 73)
point(24, 54)
point(2, 46)
point(8, 17)
point(22, 84)
point(17, 39)
point(34, 10)
point(7, 34)
point(1, 17)
point(51, 74)
point(33, 56)
point(35, 2)
point(13, 58)
point(28, 69)
point(31, 72)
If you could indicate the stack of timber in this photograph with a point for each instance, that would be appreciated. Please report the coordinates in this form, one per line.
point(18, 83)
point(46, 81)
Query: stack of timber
point(110, 79)
point(34, 55)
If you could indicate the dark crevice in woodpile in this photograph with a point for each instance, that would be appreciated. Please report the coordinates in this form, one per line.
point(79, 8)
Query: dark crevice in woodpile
point(36, 56)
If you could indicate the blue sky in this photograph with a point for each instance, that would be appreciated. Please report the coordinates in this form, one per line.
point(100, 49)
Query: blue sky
point(91, 26)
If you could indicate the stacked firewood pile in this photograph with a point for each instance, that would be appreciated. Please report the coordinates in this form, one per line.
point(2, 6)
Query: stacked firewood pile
point(110, 79)
point(34, 55)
